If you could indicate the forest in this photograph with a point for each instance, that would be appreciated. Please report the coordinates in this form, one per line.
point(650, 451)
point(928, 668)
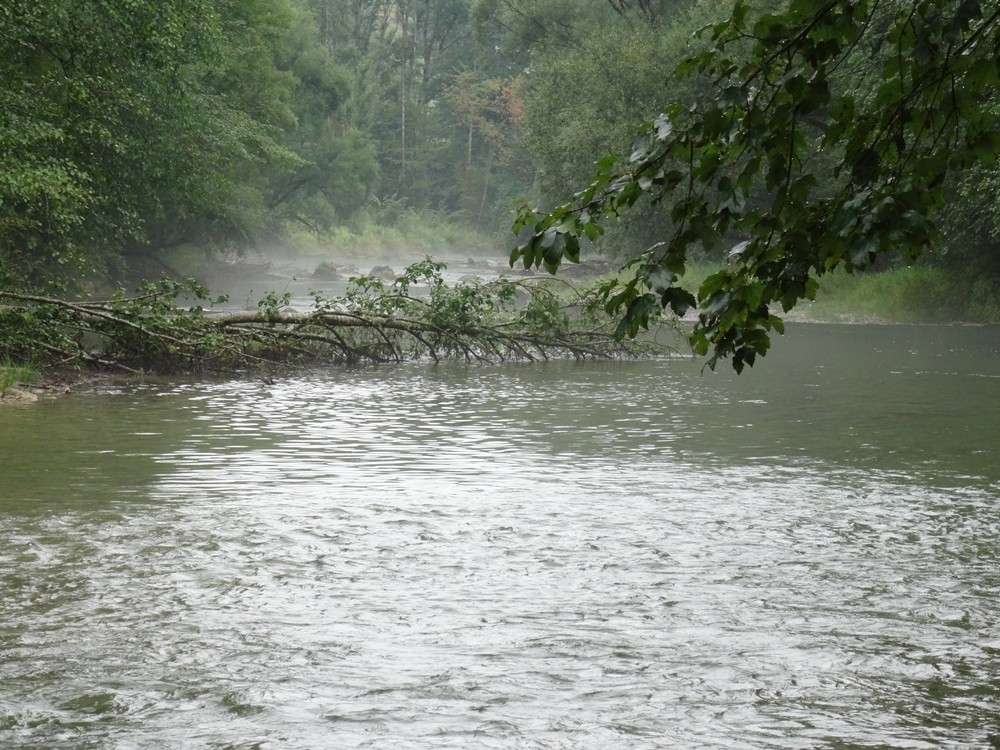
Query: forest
point(136, 136)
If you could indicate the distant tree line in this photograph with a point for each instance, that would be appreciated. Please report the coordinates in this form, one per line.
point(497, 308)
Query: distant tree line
point(129, 129)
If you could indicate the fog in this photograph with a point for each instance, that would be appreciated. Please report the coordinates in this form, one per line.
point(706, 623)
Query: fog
point(299, 271)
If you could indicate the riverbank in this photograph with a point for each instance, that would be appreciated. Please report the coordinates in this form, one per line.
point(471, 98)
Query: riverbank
point(33, 386)
point(914, 295)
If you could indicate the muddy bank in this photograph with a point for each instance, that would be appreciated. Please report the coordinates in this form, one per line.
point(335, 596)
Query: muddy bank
point(52, 385)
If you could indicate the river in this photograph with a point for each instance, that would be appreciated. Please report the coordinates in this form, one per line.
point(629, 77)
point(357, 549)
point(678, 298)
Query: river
point(553, 555)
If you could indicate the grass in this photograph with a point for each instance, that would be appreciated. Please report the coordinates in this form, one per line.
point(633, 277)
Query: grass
point(915, 294)
point(406, 234)
point(14, 375)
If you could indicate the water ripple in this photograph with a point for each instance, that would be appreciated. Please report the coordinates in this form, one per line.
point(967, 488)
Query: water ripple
point(559, 557)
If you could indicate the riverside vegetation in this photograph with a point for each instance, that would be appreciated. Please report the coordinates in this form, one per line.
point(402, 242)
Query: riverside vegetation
point(790, 169)
point(779, 141)
point(416, 315)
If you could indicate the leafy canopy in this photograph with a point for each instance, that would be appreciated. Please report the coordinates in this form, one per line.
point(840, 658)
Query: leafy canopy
point(897, 94)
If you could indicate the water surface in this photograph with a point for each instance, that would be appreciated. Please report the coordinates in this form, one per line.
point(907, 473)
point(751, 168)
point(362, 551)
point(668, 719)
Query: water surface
point(554, 555)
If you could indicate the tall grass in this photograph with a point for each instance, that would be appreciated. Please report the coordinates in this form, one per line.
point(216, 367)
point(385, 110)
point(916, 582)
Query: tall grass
point(917, 294)
point(13, 375)
point(409, 233)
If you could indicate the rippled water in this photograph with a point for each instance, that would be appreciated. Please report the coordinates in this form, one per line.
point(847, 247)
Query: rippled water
point(554, 555)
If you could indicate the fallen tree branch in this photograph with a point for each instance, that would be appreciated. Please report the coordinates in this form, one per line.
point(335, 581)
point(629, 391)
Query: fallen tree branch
point(374, 322)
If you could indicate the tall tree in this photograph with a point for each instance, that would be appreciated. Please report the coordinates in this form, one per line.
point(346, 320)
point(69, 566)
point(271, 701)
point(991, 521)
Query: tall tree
point(592, 73)
point(490, 111)
point(124, 123)
point(339, 168)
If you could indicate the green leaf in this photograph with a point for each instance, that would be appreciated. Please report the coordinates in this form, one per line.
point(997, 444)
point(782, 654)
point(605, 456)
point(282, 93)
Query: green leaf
point(572, 248)
point(770, 29)
point(678, 300)
point(552, 258)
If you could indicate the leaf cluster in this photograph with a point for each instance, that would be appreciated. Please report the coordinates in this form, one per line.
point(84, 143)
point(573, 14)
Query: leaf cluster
point(778, 102)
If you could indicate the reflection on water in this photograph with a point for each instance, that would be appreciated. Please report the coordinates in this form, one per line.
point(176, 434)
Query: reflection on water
point(539, 556)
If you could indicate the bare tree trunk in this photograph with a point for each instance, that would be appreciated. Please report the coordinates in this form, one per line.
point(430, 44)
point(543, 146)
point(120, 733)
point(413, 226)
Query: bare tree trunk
point(402, 135)
point(404, 19)
point(486, 189)
point(468, 155)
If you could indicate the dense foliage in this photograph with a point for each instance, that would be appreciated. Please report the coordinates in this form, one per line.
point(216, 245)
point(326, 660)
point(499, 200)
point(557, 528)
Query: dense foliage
point(831, 135)
point(129, 129)
point(128, 125)
point(782, 139)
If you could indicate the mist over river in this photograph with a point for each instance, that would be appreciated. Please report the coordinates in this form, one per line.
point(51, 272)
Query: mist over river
point(552, 555)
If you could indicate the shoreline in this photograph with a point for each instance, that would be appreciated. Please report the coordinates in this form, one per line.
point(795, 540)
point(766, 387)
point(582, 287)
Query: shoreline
point(53, 385)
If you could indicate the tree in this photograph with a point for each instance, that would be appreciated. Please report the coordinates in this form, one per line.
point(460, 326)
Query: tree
point(128, 127)
point(591, 98)
point(591, 74)
point(488, 113)
point(788, 102)
point(339, 166)
point(403, 57)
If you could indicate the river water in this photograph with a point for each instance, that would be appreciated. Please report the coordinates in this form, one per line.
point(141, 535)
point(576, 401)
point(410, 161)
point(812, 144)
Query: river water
point(557, 555)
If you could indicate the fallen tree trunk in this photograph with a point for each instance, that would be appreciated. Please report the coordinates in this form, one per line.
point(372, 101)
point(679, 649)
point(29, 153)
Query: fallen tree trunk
point(372, 322)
